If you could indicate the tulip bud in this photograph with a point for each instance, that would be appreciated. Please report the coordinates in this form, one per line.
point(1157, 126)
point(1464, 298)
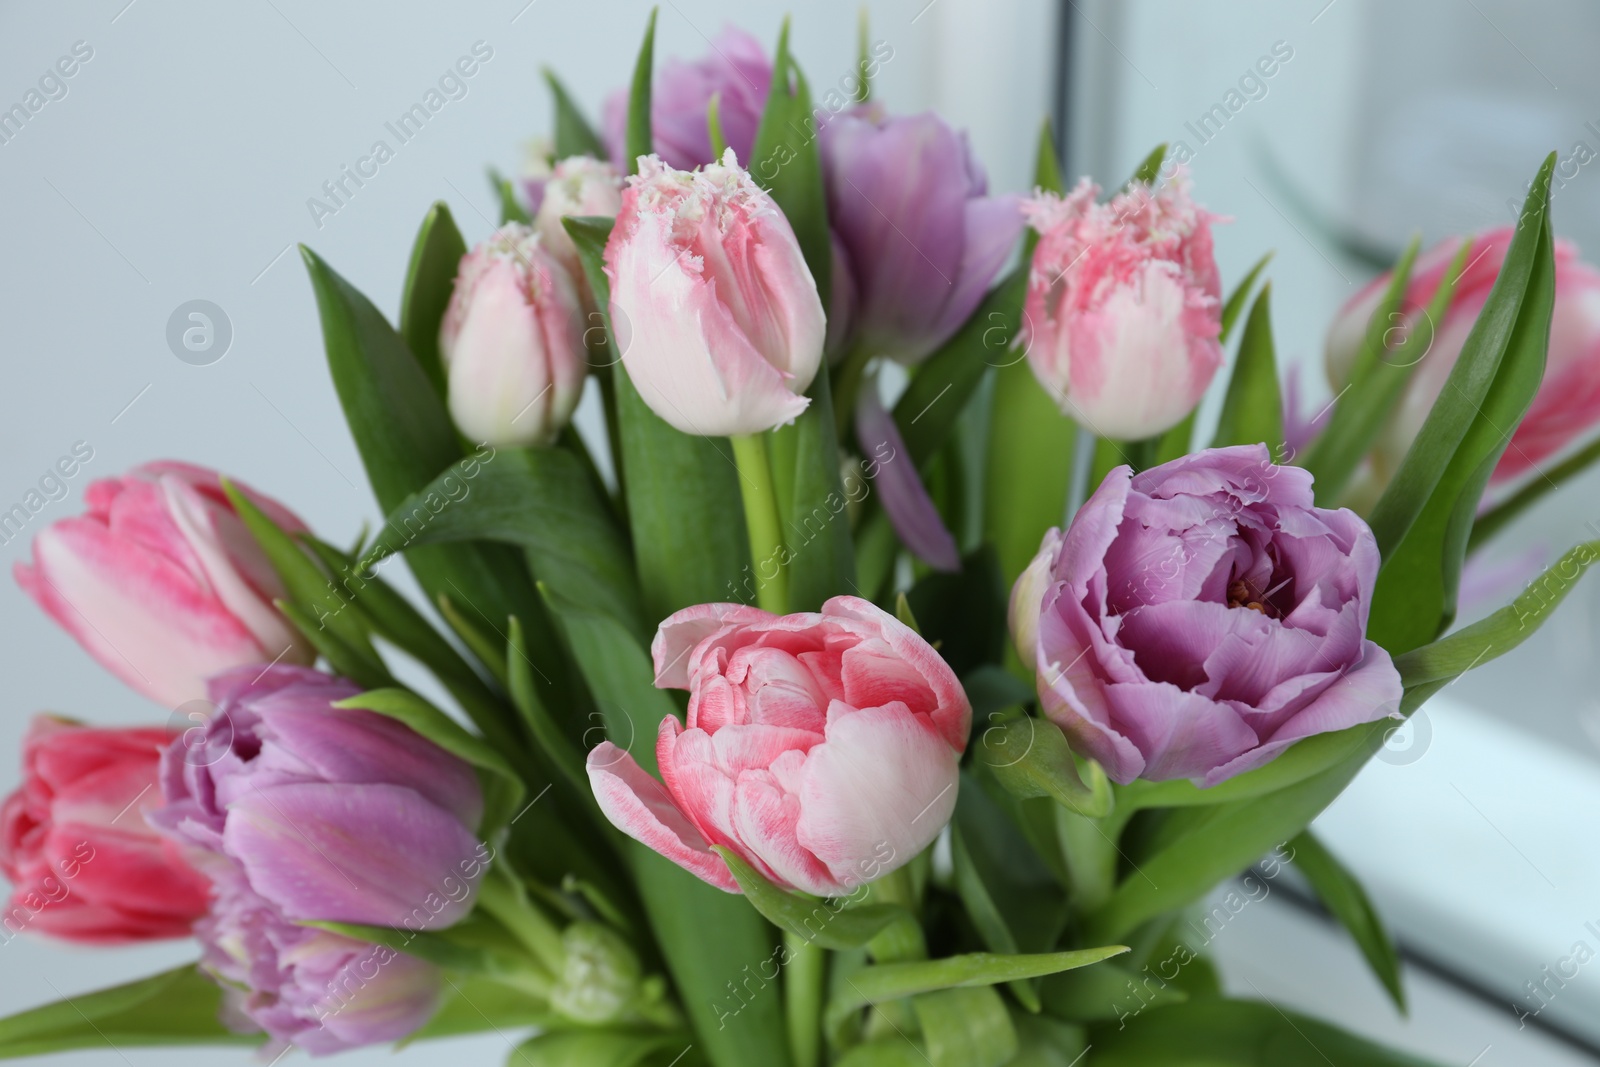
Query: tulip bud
point(83, 864)
point(717, 315)
point(578, 185)
point(823, 748)
point(512, 342)
point(1567, 405)
point(1027, 598)
point(924, 240)
point(600, 979)
point(1124, 306)
point(161, 582)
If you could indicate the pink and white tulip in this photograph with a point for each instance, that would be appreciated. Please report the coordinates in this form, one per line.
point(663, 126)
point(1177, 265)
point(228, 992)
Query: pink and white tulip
point(1124, 306)
point(822, 748)
point(512, 342)
point(716, 314)
point(577, 185)
point(161, 582)
point(1567, 406)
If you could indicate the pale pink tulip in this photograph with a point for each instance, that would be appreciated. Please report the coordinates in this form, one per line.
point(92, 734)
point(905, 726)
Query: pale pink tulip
point(1567, 406)
point(162, 583)
point(1123, 307)
point(717, 316)
point(821, 748)
point(512, 342)
point(577, 185)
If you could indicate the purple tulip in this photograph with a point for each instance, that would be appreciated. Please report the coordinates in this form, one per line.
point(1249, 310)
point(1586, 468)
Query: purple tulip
point(910, 205)
point(1201, 616)
point(303, 811)
point(737, 72)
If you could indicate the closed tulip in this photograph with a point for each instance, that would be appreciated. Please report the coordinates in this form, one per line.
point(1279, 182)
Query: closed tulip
point(822, 748)
point(512, 342)
point(910, 205)
point(83, 864)
point(161, 582)
point(1567, 406)
point(717, 316)
point(1124, 306)
point(582, 186)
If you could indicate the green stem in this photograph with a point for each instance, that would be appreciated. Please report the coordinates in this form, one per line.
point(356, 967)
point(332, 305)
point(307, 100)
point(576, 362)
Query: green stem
point(507, 903)
point(1090, 853)
point(851, 372)
point(763, 520)
point(802, 999)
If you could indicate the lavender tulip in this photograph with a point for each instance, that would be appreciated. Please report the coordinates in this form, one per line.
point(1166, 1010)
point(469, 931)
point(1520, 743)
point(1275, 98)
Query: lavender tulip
point(909, 204)
point(1201, 616)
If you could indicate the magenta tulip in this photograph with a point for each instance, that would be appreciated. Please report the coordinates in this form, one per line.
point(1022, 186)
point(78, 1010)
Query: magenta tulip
point(910, 206)
point(821, 748)
point(162, 583)
point(83, 864)
point(736, 71)
point(1124, 306)
point(716, 314)
point(512, 342)
point(1199, 617)
point(1567, 406)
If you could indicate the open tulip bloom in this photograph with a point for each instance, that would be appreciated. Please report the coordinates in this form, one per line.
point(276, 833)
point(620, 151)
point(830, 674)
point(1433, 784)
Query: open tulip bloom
point(763, 748)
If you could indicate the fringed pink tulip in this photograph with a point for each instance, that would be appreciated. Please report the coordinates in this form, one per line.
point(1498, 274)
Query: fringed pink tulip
point(1124, 306)
point(512, 342)
point(581, 186)
point(821, 748)
point(717, 316)
point(1567, 406)
point(161, 582)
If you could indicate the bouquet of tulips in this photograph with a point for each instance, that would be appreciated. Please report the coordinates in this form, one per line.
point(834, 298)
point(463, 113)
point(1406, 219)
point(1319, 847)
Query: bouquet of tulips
point(899, 684)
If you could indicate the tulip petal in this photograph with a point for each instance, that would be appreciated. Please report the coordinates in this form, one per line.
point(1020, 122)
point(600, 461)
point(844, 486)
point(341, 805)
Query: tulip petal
point(379, 854)
point(639, 806)
point(767, 819)
point(911, 510)
point(683, 631)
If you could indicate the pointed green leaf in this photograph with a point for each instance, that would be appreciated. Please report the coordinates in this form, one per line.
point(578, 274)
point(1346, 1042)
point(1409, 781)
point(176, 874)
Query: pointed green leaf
point(547, 735)
point(639, 141)
point(1343, 895)
point(511, 209)
point(836, 924)
point(1252, 410)
point(430, 279)
point(343, 659)
point(785, 160)
point(1234, 305)
point(1496, 518)
point(1030, 757)
point(176, 1007)
point(816, 523)
point(1149, 168)
point(573, 134)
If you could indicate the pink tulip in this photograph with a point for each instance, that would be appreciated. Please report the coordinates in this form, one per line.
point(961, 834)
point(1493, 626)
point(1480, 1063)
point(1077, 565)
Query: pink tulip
point(1124, 306)
point(821, 748)
point(512, 342)
point(716, 313)
point(83, 864)
point(162, 583)
point(578, 185)
point(1568, 401)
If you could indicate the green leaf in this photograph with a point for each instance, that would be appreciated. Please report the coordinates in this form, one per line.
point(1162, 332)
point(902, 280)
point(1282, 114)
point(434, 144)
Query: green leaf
point(405, 438)
point(836, 924)
point(1096, 994)
point(1500, 515)
point(433, 724)
point(1374, 387)
point(1234, 305)
point(1343, 895)
point(1492, 637)
point(684, 506)
point(342, 659)
point(789, 166)
point(1424, 517)
point(573, 134)
point(1031, 446)
point(1213, 1032)
point(639, 141)
point(550, 741)
point(594, 1048)
point(442, 948)
point(1150, 168)
point(1252, 410)
point(892, 981)
point(886, 1052)
point(966, 1028)
point(489, 651)
point(816, 522)
point(1046, 1042)
point(864, 64)
point(176, 1007)
point(1047, 162)
point(430, 279)
point(963, 614)
point(511, 209)
point(1203, 846)
point(473, 1003)
point(542, 500)
point(1030, 757)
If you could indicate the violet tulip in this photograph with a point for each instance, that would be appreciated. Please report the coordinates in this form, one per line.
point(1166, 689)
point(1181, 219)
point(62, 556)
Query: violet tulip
point(1567, 406)
point(83, 864)
point(512, 342)
point(1199, 617)
point(736, 71)
point(161, 582)
point(910, 205)
point(822, 748)
point(717, 316)
point(1124, 306)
